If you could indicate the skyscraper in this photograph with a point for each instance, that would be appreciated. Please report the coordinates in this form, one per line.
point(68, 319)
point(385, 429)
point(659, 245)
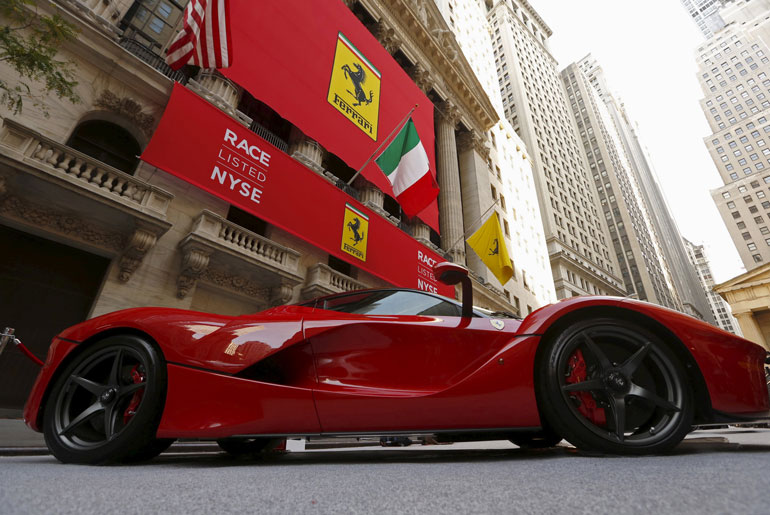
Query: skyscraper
point(733, 70)
point(681, 276)
point(535, 104)
point(719, 308)
point(705, 14)
point(635, 242)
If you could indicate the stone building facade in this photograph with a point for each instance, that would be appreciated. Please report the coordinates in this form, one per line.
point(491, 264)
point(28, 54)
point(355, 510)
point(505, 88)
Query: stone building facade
point(91, 229)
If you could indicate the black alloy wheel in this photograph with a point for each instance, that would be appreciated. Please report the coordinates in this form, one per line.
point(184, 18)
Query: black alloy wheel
point(613, 386)
point(246, 446)
point(107, 403)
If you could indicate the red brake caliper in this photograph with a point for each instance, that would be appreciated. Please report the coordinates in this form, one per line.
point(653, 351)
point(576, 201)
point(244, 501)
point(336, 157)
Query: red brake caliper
point(587, 404)
point(137, 377)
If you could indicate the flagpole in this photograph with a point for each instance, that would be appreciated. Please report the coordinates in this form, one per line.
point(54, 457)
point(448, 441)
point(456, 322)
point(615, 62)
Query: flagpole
point(474, 223)
point(398, 126)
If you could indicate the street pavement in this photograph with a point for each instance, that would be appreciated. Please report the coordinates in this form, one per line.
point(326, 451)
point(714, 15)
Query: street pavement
point(726, 471)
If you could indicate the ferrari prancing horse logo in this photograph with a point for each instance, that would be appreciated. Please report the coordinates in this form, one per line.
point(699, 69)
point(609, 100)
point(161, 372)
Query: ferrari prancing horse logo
point(355, 230)
point(354, 88)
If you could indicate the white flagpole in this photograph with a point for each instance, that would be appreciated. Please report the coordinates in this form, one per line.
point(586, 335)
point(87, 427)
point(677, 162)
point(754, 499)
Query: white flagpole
point(398, 126)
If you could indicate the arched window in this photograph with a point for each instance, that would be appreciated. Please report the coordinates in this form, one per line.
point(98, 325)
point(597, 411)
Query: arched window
point(107, 142)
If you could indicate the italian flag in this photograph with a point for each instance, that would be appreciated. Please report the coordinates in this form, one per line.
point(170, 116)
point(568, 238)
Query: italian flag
point(405, 163)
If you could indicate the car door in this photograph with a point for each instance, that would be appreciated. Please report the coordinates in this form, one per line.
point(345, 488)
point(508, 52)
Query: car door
point(391, 363)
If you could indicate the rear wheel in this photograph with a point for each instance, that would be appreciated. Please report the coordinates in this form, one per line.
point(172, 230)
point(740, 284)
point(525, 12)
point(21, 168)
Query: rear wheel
point(613, 386)
point(106, 404)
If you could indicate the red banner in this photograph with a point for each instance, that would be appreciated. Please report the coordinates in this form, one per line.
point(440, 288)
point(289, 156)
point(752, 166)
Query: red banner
point(198, 143)
point(317, 65)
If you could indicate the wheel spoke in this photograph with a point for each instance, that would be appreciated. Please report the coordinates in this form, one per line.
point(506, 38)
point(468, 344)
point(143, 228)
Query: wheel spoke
point(597, 353)
point(84, 416)
point(89, 385)
point(584, 386)
point(618, 407)
point(115, 372)
point(629, 367)
point(109, 421)
point(130, 389)
point(649, 396)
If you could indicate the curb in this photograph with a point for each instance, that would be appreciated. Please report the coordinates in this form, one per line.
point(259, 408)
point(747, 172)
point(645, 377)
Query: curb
point(24, 451)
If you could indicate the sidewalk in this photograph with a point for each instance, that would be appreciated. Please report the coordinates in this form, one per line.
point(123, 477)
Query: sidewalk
point(16, 438)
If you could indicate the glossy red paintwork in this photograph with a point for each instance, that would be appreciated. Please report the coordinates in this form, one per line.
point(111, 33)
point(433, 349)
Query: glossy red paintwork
point(57, 351)
point(225, 406)
point(353, 373)
point(732, 367)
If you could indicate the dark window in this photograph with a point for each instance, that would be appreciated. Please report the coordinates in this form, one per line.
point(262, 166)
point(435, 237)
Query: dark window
point(107, 142)
point(392, 302)
point(341, 266)
point(247, 221)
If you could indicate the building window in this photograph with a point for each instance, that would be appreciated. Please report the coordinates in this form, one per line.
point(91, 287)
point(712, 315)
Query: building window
point(108, 143)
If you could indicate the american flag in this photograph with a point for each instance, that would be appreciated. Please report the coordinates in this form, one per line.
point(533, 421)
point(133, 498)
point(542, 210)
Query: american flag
point(205, 37)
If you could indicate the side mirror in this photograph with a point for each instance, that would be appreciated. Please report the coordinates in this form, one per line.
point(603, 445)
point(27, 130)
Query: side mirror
point(451, 274)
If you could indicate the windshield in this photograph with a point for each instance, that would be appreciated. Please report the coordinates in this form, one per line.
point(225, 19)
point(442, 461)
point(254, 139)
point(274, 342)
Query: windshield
point(397, 302)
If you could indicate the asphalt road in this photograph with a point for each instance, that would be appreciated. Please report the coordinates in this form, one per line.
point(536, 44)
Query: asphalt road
point(711, 472)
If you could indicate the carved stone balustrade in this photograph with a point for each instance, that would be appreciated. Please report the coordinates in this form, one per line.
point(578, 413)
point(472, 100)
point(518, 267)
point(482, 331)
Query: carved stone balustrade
point(228, 256)
point(58, 190)
point(101, 14)
point(323, 280)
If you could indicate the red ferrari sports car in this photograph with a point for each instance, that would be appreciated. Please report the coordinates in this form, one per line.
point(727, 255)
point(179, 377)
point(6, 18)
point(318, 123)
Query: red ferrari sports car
point(607, 374)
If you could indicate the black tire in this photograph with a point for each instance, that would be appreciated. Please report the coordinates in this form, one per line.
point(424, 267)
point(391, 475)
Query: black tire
point(106, 404)
point(244, 446)
point(630, 394)
point(150, 451)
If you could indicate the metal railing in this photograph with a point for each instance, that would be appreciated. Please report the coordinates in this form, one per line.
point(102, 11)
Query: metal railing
point(268, 136)
point(148, 56)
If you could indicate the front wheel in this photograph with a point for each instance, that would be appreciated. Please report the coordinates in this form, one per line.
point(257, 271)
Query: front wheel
point(106, 404)
point(613, 386)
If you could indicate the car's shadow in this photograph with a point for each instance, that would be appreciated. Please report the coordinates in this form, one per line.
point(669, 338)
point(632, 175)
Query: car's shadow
point(430, 454)
point(209, 456)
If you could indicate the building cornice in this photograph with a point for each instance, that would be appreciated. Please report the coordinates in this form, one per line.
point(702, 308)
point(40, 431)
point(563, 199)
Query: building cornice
point(420, 28)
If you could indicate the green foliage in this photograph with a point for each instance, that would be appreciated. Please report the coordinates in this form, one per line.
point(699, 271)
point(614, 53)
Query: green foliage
point(29, 42)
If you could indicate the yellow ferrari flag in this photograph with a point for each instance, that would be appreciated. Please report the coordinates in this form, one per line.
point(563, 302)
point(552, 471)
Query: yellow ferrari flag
point(489, 244)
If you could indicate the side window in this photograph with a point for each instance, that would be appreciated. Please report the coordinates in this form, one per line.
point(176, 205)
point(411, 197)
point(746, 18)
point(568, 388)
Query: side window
point(392, 303)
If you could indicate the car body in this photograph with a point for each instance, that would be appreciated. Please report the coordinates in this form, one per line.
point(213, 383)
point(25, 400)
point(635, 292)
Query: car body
point(605, 373)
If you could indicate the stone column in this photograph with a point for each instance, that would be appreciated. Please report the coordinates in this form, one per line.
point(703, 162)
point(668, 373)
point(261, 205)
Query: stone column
point(448, 175)
point(305, 150)
point(750, 328)
point(476, 191)
point(370, 196)
point(222, 88)
point(221, 92)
